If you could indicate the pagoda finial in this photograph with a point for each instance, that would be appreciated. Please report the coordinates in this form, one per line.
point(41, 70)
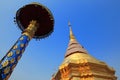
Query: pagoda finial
point(72, 37)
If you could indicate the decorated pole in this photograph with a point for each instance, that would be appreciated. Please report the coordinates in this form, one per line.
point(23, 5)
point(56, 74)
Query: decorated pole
point(35, 21)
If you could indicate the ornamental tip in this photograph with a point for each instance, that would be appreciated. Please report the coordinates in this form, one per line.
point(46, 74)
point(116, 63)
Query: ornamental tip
point(69, 24)
point(71, 33)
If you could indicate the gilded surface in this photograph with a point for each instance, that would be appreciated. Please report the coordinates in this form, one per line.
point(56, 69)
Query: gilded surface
point(31, 29)
point(79, 65)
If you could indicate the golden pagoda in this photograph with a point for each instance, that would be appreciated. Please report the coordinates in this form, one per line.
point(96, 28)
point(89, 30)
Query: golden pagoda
point(79, 65)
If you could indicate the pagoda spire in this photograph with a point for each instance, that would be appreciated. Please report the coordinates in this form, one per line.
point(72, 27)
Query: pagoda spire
point(73, 45)
point(72, 37)
point(79, 65)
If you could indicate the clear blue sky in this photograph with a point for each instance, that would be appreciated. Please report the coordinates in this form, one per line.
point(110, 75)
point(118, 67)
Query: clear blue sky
point(95, 23)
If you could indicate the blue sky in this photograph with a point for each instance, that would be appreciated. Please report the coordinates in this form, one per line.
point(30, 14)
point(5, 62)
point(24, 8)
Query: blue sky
point(95, 23)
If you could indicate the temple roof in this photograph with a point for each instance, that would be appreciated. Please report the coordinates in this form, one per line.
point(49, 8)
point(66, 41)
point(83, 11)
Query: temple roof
point(79, 63)
point(76, 53)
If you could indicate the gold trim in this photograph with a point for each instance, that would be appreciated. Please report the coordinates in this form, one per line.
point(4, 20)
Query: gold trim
point(21, 38)
point(18, 58)
point(17, 51)
point(22, 45)
point(23, 51)
point(12, 60)
point(10, 54)
point(13, 67)
point(6, 70)
point(31, 29)
point(15, 47)
point(5, 63)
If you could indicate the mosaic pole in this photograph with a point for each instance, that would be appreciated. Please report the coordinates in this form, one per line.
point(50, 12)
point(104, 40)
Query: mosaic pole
point(35, 21)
